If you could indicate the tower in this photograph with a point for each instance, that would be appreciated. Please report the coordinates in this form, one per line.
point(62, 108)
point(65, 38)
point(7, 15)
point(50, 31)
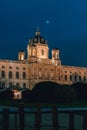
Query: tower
point(37, 47)
point(21, 55)
point(56, 56)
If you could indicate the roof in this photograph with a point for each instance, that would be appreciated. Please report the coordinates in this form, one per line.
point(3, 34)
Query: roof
point(37, 39)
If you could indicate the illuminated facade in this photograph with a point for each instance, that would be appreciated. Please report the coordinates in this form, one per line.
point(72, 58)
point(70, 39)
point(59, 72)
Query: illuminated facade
point(37, 67)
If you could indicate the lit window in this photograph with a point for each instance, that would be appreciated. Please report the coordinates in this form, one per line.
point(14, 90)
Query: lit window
point(40, 74)
point(22, 57)
point(45, 74)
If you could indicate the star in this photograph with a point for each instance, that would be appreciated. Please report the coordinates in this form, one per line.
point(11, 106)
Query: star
point(47, 21)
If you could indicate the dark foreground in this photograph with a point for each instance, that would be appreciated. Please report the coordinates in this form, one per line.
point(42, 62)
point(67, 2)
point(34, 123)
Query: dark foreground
point(39, 118)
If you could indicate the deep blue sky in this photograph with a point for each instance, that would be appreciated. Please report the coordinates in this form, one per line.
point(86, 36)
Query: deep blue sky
point(62, 22)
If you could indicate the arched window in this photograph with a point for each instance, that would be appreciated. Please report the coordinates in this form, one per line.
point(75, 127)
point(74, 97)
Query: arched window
point(51, 75)
point(75, 78)
point(10, 74)
point(33, 52)
point(24, 75)
point(80, 78)
point(70, 77)
point(3, 84)
point(17, 84)
point(3, 74)
point(39, 74)
point(24, 85)
point(17, 75)
point(84, 78)
point(42, 52)
point(45, 75)
point(65, 77)
point(65, 71)
point(10, 84)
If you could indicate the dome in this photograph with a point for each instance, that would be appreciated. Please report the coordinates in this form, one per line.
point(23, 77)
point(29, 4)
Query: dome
point(37, 39)
point(55, 49)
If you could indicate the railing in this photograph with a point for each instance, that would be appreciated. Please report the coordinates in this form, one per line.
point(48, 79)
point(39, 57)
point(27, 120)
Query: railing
point(42, 119)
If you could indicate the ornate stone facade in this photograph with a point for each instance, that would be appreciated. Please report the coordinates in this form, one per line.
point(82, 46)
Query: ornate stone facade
point(37, 67)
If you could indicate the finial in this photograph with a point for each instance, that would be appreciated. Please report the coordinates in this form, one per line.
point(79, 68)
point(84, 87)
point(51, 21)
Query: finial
point(37, 31)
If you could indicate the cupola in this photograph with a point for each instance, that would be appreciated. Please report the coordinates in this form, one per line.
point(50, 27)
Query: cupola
point(21, 55)
point(38, 47)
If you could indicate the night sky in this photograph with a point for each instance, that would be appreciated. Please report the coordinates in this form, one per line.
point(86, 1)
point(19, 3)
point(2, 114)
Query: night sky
point(62, 22)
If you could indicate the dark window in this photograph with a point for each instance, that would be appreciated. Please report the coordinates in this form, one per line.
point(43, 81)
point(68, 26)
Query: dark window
point(39, 68)
point(65, 71)
point(10, 84)
point(24, 85)
point(24, 68)
point(80, 78)
point(17, 84)
point(3, 66)
point(70, 77)
point(17, 75)
point(24, 75)
point(75, 78)
point(42, 52)
point(17, 67)
point(10, 74)
point(10, 67)
point(84, 78)
point(3, 74)
point(59, 78)
point(3, 84)
point(65, 77)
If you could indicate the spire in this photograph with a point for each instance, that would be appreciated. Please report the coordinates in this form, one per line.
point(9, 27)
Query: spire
point(37, 31)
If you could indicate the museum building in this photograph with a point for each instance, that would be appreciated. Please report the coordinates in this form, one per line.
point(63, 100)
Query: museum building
point(38, 67)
